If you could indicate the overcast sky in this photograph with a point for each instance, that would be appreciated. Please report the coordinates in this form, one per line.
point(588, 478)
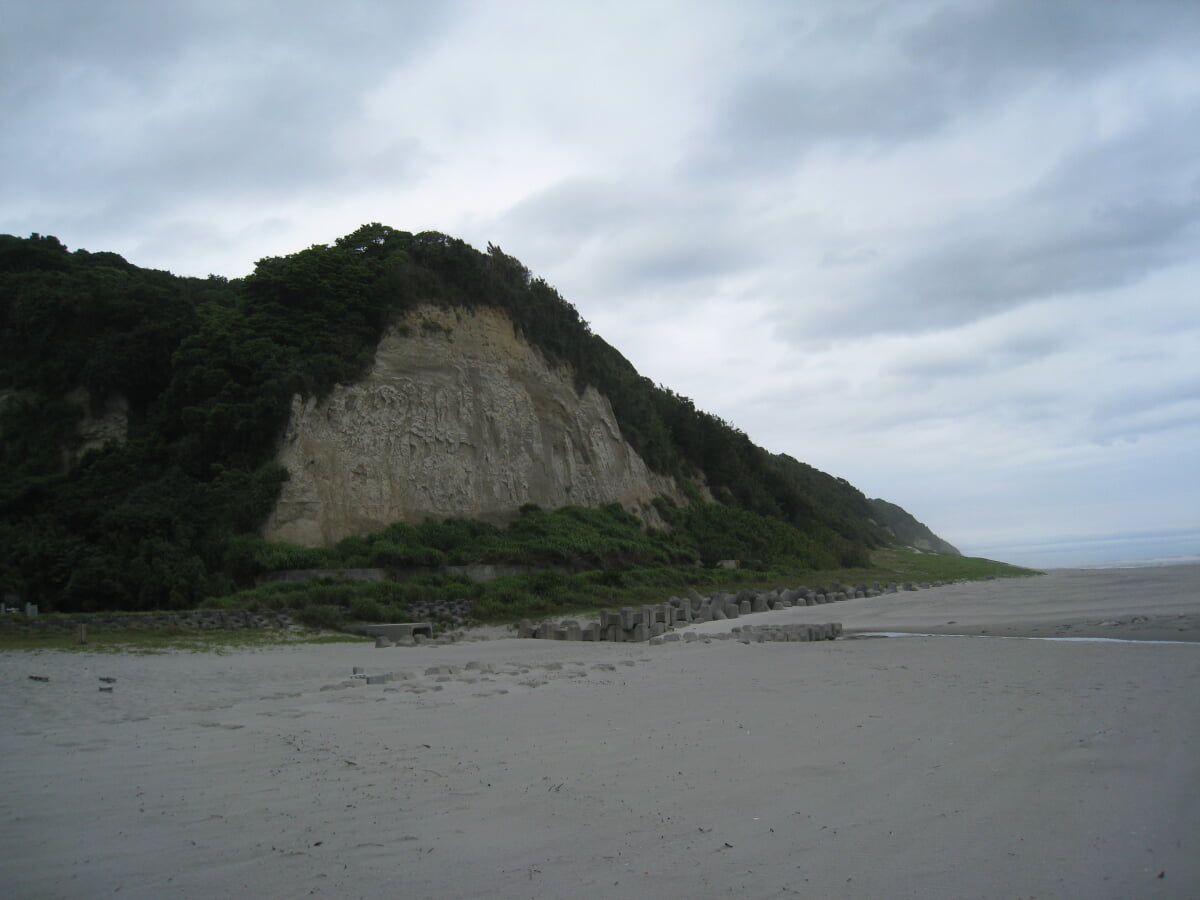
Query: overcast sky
point(946, 250)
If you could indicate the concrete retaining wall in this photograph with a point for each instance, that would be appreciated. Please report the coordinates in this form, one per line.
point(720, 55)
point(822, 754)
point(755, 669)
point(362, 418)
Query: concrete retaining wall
point(654, 623)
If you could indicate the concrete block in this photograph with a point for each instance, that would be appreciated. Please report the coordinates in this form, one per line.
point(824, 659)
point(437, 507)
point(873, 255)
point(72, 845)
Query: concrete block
point(395, 631)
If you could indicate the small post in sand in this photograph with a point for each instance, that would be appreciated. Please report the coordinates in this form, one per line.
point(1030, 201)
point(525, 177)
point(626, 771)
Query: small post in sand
point(81, 631)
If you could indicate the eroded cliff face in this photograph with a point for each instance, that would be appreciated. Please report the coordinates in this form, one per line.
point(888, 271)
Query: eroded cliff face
point(458, 417)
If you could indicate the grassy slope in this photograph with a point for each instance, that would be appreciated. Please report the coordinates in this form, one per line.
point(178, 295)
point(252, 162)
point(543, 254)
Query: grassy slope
point(164, 640)
point(508, 600)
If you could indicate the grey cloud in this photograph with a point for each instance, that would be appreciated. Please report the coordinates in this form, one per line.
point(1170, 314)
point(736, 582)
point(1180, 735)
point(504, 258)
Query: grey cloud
point(771, 120)
point(853, 256)
point(133, 39)
point(926, 71)
point(980, 43)
point(635, 236)
point(1104, 218)
point(577, 210)
point(678, 258)
point(987, 357)
point(126, 110)
point(989, 271)
point(1177, 401)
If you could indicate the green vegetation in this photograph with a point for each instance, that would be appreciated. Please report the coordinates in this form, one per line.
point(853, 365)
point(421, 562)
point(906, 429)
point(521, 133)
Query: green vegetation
point(168, 519)
point(906, 529)
point(903, 564)
point(163, 640)
point(573, 537)
point(323, 605)
point(549, 592)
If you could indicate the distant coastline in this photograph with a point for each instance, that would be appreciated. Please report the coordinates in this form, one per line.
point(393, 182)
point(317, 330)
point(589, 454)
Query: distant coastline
point(1163, 547)
point(1153, 563)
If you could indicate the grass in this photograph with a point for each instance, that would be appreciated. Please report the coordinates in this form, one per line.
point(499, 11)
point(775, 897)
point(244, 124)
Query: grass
point(909, 565)
point(165, 640)
point(546, 594)
point(538, 595)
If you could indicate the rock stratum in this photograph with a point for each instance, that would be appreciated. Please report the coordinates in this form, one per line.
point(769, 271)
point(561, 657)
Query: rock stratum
point(459, 417)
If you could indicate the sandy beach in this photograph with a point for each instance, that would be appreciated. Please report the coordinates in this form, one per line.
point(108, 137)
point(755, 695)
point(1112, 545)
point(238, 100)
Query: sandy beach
point(950, 764)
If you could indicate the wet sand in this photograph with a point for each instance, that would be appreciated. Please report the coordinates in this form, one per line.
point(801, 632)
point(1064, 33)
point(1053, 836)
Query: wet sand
point(923, 767)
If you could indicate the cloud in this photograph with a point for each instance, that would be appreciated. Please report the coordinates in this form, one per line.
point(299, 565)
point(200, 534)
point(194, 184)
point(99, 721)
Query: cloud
point(944, 249)
point(135, 114)
point(872, 74)
point(988, 42)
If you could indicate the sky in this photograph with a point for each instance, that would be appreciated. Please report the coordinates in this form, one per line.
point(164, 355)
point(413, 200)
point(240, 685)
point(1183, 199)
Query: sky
point(944, 249)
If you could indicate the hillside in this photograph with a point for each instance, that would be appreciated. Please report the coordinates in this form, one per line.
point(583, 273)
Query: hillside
point(146, 419)
point(906, 530)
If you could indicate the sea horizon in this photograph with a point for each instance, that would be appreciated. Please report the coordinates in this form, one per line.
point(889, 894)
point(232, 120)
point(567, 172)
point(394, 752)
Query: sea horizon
point(1165, 547)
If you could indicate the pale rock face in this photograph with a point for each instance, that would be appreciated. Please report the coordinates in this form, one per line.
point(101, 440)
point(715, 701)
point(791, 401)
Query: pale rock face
point(459, 417)
point(97, 429)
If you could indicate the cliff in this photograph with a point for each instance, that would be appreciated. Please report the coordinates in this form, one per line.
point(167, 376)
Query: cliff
point(458, 417)
point(153, 429)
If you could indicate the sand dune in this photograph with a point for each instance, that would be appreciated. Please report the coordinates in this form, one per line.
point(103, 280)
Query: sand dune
point(944, 767)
